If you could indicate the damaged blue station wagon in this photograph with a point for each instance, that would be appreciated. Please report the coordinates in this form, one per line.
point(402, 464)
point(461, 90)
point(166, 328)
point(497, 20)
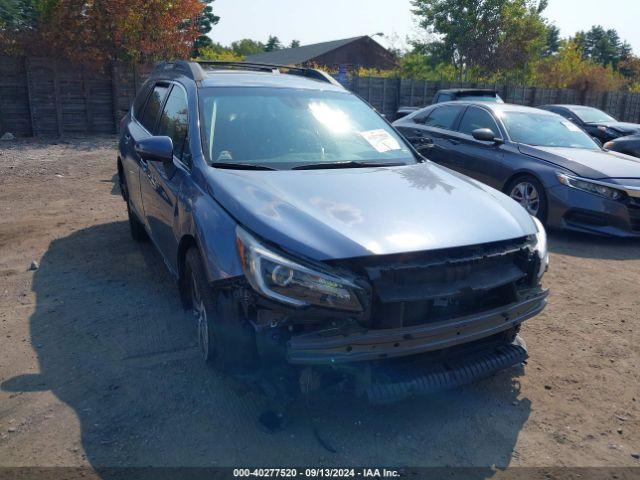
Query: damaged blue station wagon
point(303, 230)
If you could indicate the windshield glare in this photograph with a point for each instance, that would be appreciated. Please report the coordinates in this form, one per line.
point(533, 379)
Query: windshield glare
point(545, 130)
point(285, 128)
point(591, 115)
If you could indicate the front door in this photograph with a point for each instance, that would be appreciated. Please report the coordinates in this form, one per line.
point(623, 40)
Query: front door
point(483, 161)
point(161, 182)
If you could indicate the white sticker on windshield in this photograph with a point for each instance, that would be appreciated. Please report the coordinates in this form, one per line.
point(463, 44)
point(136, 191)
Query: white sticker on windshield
point(381, 140)
point(571, 127)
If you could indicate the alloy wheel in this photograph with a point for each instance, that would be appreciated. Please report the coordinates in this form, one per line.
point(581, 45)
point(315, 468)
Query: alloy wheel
point(527, 195)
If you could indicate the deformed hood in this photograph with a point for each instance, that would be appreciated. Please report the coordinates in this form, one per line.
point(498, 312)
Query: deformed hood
point(595, 164)
point(347, 213)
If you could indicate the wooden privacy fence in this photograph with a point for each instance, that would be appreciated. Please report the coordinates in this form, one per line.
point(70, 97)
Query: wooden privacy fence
point(387, 94)
point(46, 97)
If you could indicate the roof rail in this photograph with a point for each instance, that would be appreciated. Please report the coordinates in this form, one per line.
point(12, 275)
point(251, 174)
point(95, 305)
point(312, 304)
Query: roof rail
point(196, 70)
point(190, 69)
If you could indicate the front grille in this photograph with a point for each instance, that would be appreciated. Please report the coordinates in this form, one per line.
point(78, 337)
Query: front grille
point(413, 289)
point(587, 217)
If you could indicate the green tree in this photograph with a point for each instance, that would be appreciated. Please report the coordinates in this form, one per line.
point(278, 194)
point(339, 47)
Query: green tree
point(552, 41)
point(273, 44)
point(602, 46)
point(569, 69)
point(294, 44)
point(17, 18)
point(219, 53)
point(246, 47)
point(485, 34)
point(205, 24)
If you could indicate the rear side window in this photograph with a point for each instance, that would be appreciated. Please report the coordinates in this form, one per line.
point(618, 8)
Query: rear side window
point(421, 117)
point(140, 100)
point(174, 121)
point(475, 118)
point(444, 117)
point(154, 104)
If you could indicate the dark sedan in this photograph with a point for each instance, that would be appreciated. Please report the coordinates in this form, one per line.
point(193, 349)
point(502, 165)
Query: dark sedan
point(595, 122)
point(544, 162)
point(629, 145)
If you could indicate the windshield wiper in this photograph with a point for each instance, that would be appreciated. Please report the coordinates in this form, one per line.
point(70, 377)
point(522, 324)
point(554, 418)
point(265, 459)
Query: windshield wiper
point(240, 166)
point(352, 164)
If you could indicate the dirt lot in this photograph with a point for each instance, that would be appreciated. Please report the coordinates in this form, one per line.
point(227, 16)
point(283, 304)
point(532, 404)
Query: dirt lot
point(98, 365)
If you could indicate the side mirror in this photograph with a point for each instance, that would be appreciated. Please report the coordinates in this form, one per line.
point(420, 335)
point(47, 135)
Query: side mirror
point(485, 135)
point(155, 149)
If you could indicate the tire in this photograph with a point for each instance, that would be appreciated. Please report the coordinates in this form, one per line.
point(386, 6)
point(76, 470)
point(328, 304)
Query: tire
point(225, 336)
point(523, 189)
point(138, 233)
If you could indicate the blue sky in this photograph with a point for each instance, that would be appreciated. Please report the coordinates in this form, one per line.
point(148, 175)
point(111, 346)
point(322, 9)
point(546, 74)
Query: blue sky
point(313, 21)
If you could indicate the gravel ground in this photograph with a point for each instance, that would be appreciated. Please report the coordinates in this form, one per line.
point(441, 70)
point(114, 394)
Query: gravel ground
point(98, 365)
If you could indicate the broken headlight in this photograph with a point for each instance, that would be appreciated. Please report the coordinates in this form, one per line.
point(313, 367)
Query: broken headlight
point(280, 278)
point(539, 245)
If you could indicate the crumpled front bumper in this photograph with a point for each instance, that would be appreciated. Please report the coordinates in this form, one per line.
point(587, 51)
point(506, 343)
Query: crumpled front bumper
point(397, 383)
point(326, 347)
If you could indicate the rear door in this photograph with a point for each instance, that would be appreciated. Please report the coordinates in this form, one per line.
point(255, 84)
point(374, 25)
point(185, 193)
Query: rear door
point(439, 134)
point(161, 183)
point(134, 131)
point(483, 161)
point(143, 128)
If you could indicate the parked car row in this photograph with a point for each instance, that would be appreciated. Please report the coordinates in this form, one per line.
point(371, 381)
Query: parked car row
point(600, 125)
point(544, 160)
point(304, 230)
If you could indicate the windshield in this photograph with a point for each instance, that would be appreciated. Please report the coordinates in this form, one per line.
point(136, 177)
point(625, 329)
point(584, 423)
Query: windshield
point(545, 130)
point(286, 128)
point(481, 98)
point(591, 115)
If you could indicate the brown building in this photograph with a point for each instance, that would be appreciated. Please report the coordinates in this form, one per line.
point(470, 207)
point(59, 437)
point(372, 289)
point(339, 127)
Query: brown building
point(352, 53)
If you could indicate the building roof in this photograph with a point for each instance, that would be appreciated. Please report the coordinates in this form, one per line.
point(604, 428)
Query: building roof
point(299, 55)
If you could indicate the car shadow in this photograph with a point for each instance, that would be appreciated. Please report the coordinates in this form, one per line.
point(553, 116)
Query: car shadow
point(586, 245)
point(115, 345)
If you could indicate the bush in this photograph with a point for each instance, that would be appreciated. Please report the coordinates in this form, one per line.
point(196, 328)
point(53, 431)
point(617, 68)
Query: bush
point(569, 69)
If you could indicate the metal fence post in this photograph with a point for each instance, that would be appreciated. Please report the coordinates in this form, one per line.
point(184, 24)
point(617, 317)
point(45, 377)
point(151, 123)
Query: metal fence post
point(30, 106)
point(56, 96)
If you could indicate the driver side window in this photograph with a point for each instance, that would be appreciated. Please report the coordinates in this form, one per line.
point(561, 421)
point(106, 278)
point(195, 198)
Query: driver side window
point(476, 118)
point(174, 124)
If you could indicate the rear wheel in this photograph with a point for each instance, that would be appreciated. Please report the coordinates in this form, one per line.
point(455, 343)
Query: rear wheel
point(225, 336)
point(138, 233)
point(529, 192)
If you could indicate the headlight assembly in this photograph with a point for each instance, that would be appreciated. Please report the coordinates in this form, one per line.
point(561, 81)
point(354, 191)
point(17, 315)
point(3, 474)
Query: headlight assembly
point(284, 280)
point(540, 247)
point(591, 187)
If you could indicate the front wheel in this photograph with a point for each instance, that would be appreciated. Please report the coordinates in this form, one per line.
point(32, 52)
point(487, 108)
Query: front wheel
point(529, 193)
point(225, 337)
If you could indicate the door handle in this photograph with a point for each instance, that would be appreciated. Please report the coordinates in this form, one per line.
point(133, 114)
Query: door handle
point(453, 142)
